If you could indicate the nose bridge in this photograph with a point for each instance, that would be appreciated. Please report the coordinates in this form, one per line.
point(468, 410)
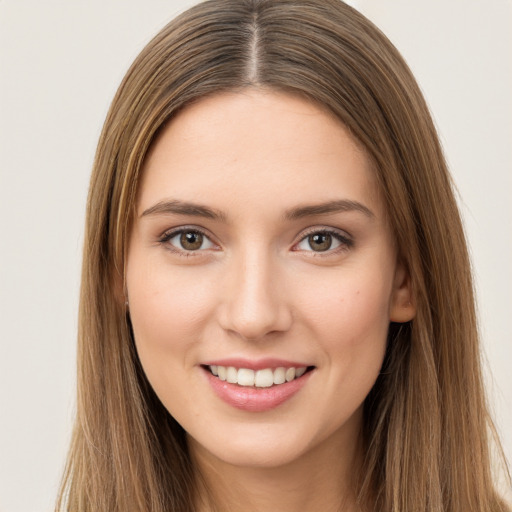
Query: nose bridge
point(255, 303)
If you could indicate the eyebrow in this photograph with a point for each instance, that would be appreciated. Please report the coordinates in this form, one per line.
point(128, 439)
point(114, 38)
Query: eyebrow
point(184, 208)
point(176, 206)
point(342, 205)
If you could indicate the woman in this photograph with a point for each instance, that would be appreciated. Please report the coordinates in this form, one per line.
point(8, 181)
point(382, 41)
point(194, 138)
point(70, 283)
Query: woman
point(277, 309)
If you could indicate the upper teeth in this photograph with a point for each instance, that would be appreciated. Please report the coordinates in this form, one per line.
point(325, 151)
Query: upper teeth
point(259, 378)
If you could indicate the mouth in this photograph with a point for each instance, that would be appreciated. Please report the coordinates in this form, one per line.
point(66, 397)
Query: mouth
point(262, 378)
point(256, 385)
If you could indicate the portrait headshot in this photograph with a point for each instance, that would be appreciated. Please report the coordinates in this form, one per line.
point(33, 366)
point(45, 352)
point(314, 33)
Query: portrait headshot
point(256, 256)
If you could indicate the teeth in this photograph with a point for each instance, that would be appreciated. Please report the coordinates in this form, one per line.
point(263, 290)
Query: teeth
point(264, 378)
point(245, 377)
point(232, 375)
point(261, 378)
point(279, 375)
point(299, 372)
point(221, 371)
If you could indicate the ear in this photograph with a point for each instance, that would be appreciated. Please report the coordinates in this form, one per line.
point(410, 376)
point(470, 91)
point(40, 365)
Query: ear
point(119, 289)
point(403, 307)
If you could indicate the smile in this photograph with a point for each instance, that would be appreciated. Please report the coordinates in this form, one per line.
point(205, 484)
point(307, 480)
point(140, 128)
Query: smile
point(264, 378)
point(265, 386)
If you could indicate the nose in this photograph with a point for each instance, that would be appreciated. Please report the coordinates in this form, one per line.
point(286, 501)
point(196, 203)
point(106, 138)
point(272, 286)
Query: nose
point(255, 303)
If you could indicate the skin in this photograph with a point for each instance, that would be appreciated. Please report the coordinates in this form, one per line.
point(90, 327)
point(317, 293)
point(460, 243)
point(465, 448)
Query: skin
point(257, 287)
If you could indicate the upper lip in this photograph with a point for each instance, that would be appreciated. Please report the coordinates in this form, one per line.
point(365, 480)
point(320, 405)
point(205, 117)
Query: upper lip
point(255, 364)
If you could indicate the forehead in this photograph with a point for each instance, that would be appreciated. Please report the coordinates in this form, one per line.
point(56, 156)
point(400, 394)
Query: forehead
point(268, 148)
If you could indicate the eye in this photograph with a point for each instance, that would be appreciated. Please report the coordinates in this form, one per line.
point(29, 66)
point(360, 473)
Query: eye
point(324, 241)
point(187, 240)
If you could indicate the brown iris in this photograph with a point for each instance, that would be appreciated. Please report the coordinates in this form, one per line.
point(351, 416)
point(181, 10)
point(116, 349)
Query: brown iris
point(191, 240)
point(320, 241)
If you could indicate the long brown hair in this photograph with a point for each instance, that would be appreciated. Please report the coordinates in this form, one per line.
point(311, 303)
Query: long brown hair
point(427, 428)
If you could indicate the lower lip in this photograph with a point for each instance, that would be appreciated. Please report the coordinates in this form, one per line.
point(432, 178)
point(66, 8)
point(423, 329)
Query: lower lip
point(254, 399)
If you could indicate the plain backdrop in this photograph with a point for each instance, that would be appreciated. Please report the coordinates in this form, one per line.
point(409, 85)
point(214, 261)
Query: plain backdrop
point(60, 64)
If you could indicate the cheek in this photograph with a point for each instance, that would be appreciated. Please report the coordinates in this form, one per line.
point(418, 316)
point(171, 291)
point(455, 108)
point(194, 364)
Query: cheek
point(350, 324)
point(350, 309)
point(168, 308)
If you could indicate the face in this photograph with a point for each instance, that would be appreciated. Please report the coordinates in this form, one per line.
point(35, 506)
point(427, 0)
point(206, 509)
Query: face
point(262, 277)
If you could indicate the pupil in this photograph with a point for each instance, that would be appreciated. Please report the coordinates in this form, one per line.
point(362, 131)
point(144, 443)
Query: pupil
point(191, 240)
point(320, 242)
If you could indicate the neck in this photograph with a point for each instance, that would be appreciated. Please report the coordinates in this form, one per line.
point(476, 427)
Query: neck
point(321, 479)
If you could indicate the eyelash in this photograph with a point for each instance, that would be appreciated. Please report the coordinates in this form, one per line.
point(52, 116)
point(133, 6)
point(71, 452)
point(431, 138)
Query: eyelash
point(345, 241)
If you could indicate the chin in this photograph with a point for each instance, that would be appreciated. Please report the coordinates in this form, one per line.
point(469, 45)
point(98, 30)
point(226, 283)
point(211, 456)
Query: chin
point(245, 454)
point(267, 445)
point(258, 446)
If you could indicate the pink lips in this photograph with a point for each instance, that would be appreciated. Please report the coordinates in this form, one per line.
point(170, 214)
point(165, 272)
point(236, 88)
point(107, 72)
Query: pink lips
point(260, 364)
point(254, 399)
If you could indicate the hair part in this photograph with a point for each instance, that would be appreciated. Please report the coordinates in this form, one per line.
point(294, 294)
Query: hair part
point(426, 420)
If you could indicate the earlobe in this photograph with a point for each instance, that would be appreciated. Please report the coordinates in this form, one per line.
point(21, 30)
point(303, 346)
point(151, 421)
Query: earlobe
point(403, 307)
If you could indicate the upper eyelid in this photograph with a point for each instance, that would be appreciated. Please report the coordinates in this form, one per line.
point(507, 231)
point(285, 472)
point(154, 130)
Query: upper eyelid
point(324, 229)
point(169, 233)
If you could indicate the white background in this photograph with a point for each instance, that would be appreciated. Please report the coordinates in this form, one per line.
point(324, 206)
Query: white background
point(60, 64)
